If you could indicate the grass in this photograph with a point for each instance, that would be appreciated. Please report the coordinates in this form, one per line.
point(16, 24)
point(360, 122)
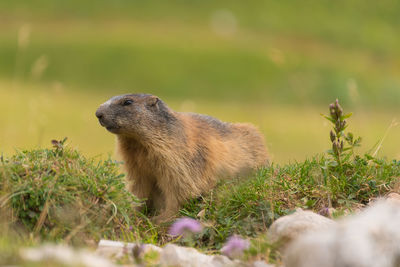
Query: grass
point(245, 207)
point(59, 195)
point(248, 208)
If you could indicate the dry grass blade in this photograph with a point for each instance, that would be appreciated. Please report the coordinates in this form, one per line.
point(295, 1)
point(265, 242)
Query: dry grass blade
point(42, 217)
point(393, 124)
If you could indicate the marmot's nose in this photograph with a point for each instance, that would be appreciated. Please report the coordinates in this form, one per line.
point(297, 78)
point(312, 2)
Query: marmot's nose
point(99, 114)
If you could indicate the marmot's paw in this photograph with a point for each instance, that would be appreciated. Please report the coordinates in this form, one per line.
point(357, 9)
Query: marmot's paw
point(163, 218)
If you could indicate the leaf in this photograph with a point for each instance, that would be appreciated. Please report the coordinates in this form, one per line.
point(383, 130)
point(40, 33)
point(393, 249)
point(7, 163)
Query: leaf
point(351, 196)
point(346, 157)
point(328, 118)
point(333, 164)
point(346, 116)
point(310, 203)
point(357, 141)
point(368, 157)
point(350, 135)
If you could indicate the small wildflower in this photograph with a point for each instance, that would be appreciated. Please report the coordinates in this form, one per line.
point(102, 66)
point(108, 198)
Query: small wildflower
point(183, 226)
point(235, 246)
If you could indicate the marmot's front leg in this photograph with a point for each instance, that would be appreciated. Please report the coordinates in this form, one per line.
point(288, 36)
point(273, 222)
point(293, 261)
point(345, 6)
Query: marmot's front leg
point(169, 212)
point(165, 216)
point(141, 188)
point(157, 199)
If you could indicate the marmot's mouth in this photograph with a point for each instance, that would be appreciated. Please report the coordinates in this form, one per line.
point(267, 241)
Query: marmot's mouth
point(112, 129)
point(109, 128)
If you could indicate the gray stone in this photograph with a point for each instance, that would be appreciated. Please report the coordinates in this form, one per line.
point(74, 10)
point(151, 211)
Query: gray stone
point(173, 255)
point(117, 250)
point(65, 256)
point(261, 264)
point(395, 197)
point(370, 238)
point(288, 228)
point(170, 255)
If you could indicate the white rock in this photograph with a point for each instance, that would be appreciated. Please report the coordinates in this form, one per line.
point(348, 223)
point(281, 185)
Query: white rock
point(117, 250)
point(288, 228)
point(118, 245)
point(261, 264)
point(177, 256)
point(395, 197)
point(368, 239)
point(170, 255)
point(315, 250)
point(64, 255)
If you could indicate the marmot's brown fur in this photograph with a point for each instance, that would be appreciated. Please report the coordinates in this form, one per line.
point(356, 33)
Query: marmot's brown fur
point(173, 156)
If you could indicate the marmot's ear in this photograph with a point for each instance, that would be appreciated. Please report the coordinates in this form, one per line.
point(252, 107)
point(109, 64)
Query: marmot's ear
point(152, 100)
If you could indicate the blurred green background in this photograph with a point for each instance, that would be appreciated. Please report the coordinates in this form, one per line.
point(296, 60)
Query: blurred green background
point(277, 64)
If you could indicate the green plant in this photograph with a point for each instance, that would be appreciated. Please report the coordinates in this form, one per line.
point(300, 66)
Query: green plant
point(58, 194)
point(340, 153)
point(351, 178)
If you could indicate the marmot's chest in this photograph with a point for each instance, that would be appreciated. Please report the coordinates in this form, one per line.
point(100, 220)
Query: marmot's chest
point(147, 160)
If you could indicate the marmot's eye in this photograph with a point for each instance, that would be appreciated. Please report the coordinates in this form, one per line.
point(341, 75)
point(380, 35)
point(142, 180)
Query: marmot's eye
point(127, 102)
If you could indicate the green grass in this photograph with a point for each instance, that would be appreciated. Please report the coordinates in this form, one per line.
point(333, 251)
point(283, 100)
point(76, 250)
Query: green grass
point(248, 208)
point(59, 195)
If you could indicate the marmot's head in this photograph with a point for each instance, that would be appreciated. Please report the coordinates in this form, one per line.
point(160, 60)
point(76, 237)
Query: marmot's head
point(135, 115)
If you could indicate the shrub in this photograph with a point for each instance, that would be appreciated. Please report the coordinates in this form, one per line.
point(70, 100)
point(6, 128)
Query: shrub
point(59, 194)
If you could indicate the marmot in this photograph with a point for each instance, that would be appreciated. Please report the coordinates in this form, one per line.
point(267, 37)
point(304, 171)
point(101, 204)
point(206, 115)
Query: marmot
point(172, 156)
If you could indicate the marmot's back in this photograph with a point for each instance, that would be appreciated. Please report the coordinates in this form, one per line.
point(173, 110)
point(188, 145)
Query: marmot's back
point(236, 148)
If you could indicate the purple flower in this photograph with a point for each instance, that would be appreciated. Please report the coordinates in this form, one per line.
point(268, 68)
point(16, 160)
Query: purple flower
point(235, 246)
point(184, 226)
